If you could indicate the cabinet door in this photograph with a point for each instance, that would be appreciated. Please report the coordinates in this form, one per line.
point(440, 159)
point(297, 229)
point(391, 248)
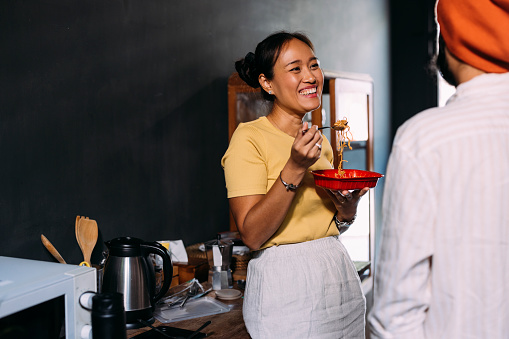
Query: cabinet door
point(350, 96)
point(245, 103)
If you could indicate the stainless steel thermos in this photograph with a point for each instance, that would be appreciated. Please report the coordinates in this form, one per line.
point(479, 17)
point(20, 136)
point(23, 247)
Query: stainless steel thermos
point(108, 316)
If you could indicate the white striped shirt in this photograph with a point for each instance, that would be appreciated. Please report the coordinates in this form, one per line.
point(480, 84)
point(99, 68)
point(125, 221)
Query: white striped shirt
point(443, 267)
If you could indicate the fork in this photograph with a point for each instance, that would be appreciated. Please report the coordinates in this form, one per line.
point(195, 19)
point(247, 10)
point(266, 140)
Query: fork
point(319, 128)
point(191, 293)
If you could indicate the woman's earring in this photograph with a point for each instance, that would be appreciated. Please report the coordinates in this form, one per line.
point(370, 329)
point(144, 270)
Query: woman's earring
point(270, 92)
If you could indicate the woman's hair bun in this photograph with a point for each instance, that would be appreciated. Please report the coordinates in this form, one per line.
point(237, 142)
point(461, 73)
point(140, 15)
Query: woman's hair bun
point(247, 70)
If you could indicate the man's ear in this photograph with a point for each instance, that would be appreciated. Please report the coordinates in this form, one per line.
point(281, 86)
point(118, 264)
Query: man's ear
point(265, 83)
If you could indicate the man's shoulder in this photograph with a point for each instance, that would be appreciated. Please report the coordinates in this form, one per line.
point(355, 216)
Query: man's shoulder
point(421, 124)
point(433, 129)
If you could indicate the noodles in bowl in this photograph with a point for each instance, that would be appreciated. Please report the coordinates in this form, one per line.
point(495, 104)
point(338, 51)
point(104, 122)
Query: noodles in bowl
point(344, 179)
point(351, 179)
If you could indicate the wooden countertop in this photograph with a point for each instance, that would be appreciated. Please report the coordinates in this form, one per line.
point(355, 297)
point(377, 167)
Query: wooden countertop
point(223, 325)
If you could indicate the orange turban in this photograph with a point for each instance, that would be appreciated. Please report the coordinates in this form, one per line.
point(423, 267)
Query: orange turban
point(476, 32)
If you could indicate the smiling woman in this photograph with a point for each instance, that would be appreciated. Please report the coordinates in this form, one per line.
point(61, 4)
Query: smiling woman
point(287, 221)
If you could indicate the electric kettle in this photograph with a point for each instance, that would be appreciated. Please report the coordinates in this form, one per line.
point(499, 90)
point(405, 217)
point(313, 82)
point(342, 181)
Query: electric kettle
point(129, 270)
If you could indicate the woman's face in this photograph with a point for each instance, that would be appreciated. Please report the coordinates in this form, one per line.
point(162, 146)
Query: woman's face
point(298, 79)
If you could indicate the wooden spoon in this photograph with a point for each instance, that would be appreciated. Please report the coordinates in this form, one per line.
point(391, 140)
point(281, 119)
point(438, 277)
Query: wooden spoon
point(86, 235)
point(49, 246)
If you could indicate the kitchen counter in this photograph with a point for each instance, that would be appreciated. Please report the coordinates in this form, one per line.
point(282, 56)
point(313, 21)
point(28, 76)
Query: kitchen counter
point(223, 325)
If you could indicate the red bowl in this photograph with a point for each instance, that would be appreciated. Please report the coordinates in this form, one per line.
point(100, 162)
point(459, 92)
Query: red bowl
point(352, 179)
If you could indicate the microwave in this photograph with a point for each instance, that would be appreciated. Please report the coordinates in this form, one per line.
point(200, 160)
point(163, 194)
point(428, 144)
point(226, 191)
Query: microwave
point(40, 299)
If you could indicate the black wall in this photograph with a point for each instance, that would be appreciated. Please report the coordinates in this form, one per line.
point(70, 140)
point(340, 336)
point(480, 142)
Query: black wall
point(117, 110)
point(413, 35)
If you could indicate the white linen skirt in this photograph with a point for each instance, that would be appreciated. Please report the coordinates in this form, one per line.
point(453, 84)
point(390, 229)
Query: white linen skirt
point(304, 290)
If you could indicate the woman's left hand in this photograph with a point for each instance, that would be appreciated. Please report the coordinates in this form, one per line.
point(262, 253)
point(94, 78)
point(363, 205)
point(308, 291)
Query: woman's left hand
point(346, 202)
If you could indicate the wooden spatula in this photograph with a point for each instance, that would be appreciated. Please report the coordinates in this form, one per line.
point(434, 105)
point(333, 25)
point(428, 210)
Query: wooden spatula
point(86, 235)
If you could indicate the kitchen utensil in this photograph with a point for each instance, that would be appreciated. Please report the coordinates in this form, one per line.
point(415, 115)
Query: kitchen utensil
point(189, 290)
point(201, 294)
point(76, 227)
point(172, 332)
point(129, 270)
point(193, 291)
point(351, 180)
point(144, 323)
point(49, 246)
point(199, 329)
point(319, 128)
point(219, 255)
point(336, 128)
point(86, 235)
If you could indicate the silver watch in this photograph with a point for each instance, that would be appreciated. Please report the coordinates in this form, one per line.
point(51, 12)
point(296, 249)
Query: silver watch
point(343, 226)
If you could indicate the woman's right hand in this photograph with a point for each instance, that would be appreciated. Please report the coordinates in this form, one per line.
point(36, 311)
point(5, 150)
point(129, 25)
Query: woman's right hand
point(306, 148)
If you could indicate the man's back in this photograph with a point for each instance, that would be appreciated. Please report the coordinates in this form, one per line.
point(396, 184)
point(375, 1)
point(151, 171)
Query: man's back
point(444, 262)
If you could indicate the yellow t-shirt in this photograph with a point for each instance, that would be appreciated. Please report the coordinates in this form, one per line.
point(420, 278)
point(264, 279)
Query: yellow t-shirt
point(256, 155)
